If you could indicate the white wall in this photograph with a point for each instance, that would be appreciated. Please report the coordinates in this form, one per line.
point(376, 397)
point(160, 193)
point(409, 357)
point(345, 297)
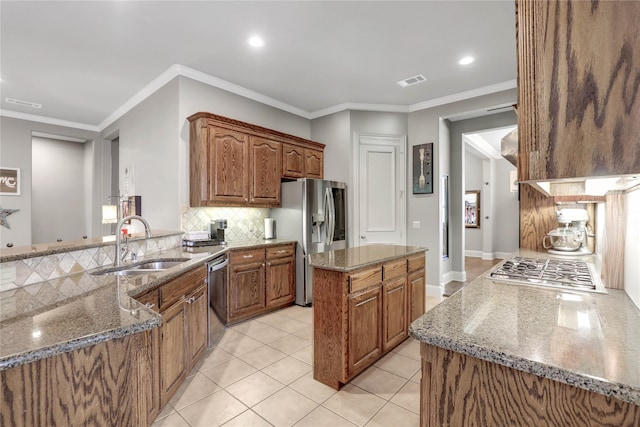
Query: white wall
point(58, 191)
point(632, 247)
point(506, 213)
point(334, 131)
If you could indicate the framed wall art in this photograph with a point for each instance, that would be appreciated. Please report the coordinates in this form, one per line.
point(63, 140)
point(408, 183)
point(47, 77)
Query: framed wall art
point(423, 168)
point(472, 209)
point(10, 181)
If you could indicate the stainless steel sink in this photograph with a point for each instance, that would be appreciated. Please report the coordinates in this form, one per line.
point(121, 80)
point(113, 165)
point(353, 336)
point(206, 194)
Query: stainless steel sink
point(143, 267)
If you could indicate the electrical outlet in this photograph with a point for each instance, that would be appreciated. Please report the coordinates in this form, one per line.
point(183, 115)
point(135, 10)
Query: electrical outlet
point(416, 225)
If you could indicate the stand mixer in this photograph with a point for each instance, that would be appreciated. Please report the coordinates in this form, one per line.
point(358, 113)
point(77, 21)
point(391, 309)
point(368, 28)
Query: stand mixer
point(571, 238)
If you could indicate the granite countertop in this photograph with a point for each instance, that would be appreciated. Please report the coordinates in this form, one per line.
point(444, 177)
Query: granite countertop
point(584, 339)
point(350, 259)
point(47, 318)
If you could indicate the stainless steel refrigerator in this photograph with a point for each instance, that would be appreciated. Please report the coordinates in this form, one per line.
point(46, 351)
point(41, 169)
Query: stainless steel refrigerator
point(314, 213)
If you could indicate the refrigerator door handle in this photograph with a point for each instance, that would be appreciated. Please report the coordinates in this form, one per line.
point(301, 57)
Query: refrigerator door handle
point(332, 216)
point(327, 209)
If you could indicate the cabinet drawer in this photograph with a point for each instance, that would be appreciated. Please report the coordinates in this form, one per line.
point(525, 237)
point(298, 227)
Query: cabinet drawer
point(181, 286)
point(279, 251)
point(243, 257)
point(150, 299)
point(416, 262)
point(397, 268)
point(364, 279)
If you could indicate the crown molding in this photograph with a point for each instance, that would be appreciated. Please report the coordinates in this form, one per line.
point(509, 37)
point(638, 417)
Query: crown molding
point(48, 120)
point(482, 146)
point(180, 70)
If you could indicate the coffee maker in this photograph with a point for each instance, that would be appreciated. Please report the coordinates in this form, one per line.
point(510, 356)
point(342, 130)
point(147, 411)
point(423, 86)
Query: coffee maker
point(216, 231)
point(571, 237)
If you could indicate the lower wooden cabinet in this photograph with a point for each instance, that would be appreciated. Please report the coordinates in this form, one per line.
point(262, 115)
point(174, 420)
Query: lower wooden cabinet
point(365, 318)
point(182, 340)
point(260, 280)
point(362, 314)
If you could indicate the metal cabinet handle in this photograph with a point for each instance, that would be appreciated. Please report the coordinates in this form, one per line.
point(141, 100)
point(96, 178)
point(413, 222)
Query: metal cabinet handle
point(281, 252)
point(247, 256)
point(365, 301)
point(149, 305)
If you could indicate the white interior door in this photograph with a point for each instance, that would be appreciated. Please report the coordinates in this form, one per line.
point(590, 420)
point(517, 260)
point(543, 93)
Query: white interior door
point(381, 190)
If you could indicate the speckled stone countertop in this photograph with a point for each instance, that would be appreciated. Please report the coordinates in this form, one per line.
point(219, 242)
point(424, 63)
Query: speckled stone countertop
point(583, 339)
point(33, 328)
point(350, 259)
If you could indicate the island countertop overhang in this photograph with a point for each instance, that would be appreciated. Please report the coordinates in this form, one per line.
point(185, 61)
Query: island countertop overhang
point(351, 259)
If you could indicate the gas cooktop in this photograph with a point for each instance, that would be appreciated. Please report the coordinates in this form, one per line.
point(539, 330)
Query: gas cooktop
point(557, 273)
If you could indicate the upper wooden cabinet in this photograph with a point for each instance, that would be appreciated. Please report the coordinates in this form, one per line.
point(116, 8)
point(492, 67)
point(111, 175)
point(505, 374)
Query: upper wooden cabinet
point(578, 91)
point(234, 163)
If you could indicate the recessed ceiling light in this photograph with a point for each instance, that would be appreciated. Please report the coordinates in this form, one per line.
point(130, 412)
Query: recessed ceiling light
point(466, 60)
point(255, 41)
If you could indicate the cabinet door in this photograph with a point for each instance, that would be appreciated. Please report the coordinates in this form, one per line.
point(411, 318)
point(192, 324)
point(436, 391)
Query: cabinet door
point(246, 289)
point(292, 161)
point(313, 163)
point(365, 326)
point(173, 356)
point(196, 330)
point(394, 317)
point(578, 100)
point(265, 164)
point(228, 166)
point(416, 295)
point(280, 282)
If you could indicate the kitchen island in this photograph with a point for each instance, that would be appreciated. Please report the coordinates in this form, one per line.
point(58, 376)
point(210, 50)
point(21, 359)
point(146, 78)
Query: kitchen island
point(363, 301)
point(500, 353)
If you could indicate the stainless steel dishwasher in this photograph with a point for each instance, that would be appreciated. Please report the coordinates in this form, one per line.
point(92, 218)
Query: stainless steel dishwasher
point(217, 279)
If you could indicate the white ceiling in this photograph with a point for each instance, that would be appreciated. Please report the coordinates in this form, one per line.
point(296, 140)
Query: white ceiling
point(86, 60)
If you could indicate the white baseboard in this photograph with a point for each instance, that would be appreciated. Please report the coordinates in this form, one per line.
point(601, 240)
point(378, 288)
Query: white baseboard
point(454, 276)
point(434, 291)
point(473, 254)
point(503, 255)
point(488, 256)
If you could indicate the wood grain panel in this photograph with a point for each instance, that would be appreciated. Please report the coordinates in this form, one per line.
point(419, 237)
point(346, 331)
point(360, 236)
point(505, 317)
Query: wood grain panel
point(247, 290)
point(537, 217)
point(365, 329)
point(246, 256)
point(229, 159)
point(265, 163)
point(292, 161)
point(579, 88)
point(462, 391)
point(103, 385)
point(330, 327)
point(397, 268)
point(198, 163)
point(313, 163)
point(416, 293)
point(394, 320)
point(614, 236)
point(179, 287)
point(173, 352)
point(280, 286)
point(274, 252)
point(365, 278)
point(416, 262)
point(196, 324)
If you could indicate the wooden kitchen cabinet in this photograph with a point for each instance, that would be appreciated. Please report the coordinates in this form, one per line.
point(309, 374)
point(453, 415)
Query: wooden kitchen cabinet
point(183, 304)
point(280, 276)
point(233, 163)
point(416, 291)
point(578, 93)
point(361, 315)
point(365, 319)
point(265, 163)
point(260, 280)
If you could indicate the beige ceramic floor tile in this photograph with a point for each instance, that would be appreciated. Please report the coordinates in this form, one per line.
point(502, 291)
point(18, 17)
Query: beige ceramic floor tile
point(291, 325)
point(305, 316)
point(193, 389)
point(247, 419)
point(408, 397)
point(274, 318)
point(380, 382)
point(354, 404)
point(285, 408)
point(166, 411)
point(312, 389)
point(322, 417)
point(409, 348)
point(399, 365)
point(262, 357)
point(213, 411)
point(287, 370)
point(295, 310)
point(417, 377)
point(268, 334)
point(254, 388)
point(290, 344)
point(248, 326)
point(305, 333)
point(236, 343)
point(229, 372)
point(173, 420)
point(392, 415)
point(305, 354)
point(213, 358)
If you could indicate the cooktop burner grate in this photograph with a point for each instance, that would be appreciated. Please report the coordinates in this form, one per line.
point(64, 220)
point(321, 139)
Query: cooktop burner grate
point(563, 273)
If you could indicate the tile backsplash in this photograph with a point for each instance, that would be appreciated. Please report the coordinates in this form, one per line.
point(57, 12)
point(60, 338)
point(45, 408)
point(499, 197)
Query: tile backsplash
point(242, 223)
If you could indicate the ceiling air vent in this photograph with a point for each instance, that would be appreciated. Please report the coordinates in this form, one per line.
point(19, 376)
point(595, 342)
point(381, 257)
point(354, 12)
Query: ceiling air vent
point(23, 103)
point(412, 80)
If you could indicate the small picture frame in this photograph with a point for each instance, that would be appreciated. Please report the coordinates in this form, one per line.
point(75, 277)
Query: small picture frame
point(10, 181)
point(472, 209)
point(423, 169)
